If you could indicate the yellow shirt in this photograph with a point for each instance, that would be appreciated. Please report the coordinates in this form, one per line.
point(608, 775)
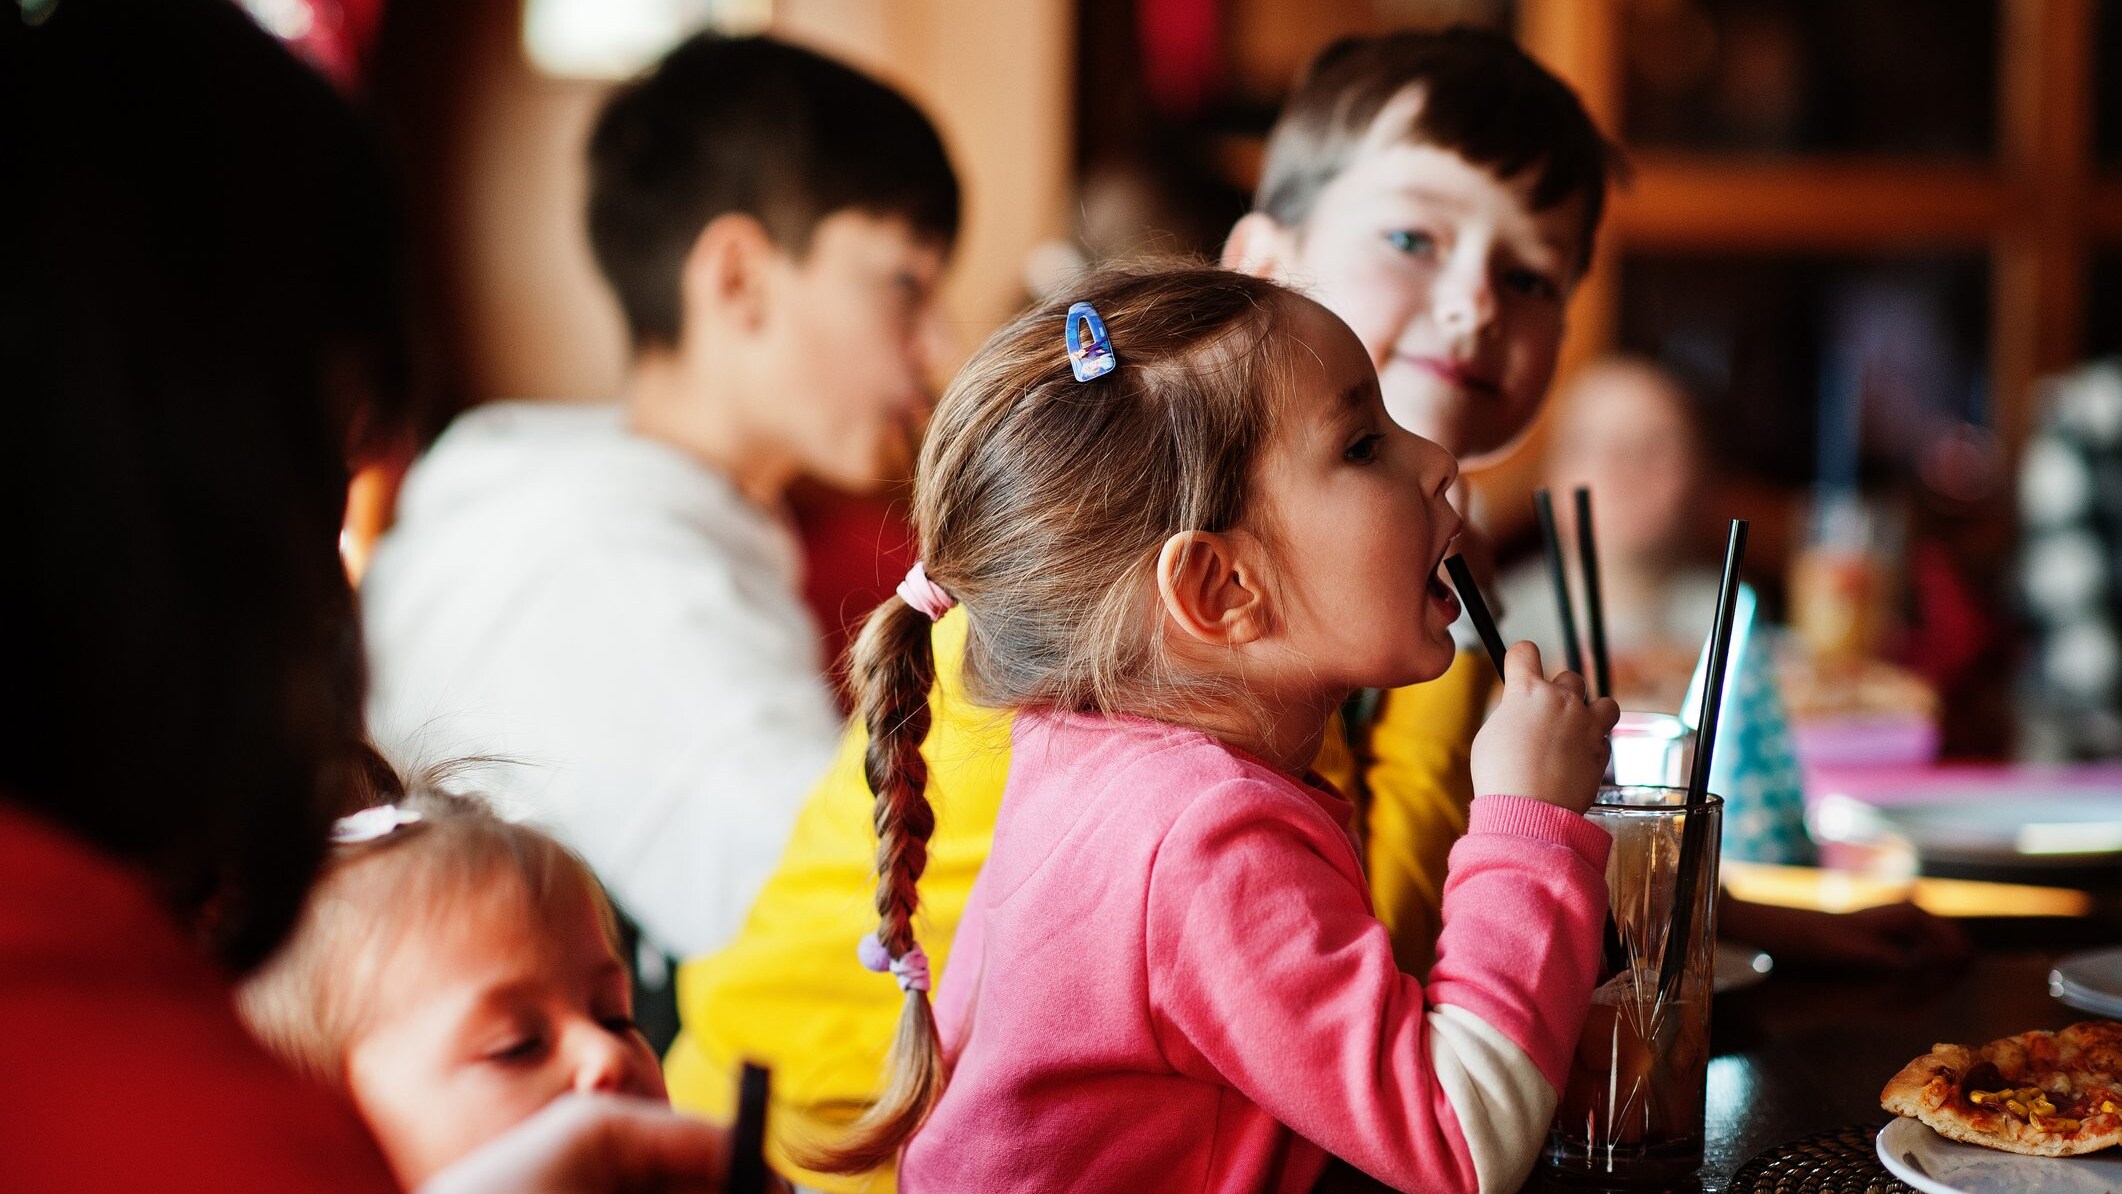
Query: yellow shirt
point(788, 992)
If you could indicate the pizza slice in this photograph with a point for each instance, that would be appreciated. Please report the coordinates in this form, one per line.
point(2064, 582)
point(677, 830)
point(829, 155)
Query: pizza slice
point(2048, 1094)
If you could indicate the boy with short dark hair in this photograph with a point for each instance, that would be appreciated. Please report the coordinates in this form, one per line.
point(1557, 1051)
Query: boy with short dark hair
point(1439, 192)
point(606, 597)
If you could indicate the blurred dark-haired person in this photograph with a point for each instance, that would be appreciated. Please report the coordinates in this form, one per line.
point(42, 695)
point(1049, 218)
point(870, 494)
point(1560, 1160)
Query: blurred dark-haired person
point(1629, 430)
point(609, 595)
point(198, 321)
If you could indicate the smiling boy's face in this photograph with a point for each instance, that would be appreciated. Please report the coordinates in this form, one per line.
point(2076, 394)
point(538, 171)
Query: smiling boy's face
point(1455, 284)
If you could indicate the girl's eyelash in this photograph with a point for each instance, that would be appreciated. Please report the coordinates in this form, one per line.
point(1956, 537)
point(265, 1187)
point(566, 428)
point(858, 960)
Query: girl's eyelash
point(1365, 449)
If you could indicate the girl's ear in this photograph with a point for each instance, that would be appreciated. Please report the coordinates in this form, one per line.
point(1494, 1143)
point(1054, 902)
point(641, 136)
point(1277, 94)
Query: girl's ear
point(724, 278)
point(1211, 589)
point(1260, 247)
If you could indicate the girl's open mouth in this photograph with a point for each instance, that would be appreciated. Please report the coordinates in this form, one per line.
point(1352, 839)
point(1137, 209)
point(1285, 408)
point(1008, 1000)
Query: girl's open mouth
point(1441, 592)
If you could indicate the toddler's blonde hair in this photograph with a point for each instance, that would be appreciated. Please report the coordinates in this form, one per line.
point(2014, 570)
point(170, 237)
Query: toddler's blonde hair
point(311, 1000)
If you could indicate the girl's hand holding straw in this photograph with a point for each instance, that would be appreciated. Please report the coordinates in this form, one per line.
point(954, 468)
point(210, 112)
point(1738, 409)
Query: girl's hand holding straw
point(1543, 741)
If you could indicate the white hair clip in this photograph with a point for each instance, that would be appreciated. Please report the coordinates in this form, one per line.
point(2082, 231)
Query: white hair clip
point(371, 823)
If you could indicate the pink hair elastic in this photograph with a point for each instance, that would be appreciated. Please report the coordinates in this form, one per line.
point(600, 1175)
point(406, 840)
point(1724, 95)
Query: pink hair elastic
point(924, 594)
point(911, 970)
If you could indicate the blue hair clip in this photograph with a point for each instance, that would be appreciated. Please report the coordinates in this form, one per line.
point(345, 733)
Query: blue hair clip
point(1090, 350)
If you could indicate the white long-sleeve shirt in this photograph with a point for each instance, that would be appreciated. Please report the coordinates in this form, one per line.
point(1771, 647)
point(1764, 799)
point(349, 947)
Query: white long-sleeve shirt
point(620, 625)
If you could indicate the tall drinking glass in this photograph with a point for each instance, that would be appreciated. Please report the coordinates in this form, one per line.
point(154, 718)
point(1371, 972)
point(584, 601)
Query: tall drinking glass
point(1631, 1112)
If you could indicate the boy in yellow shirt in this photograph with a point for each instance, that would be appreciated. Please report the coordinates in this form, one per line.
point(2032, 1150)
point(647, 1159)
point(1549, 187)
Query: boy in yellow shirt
point(1440, 193)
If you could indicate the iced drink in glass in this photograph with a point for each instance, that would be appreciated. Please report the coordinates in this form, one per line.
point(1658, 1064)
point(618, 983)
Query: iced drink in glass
point(1632, 1109)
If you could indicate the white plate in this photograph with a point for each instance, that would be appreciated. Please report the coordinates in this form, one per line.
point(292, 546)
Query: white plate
point(1739, 967)
point(2090, 981)
point(1935, 1165)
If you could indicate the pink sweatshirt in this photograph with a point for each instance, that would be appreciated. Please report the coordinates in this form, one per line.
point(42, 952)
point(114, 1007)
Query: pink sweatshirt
point(1169, 978)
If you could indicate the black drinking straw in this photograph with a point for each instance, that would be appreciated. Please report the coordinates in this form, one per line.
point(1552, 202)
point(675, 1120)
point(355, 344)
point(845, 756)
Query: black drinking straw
point(1692, 832)
point(1594, 610)
point(1602, 683)
point(747, 1140)
point(1477, 609)
point(1551, 542)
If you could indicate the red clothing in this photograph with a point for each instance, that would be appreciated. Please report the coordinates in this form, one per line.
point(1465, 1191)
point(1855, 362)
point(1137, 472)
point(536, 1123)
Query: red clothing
point(123, 1067)
point(855, 550)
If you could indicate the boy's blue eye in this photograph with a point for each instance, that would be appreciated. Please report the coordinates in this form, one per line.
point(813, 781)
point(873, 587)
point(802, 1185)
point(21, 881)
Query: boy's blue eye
point(1365, 449)
point(1531, 284)
point(1414, 244)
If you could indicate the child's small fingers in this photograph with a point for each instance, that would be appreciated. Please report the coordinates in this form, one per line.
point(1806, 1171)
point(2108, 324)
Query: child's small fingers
point(1571, 683)
point(1606, 713)
point(1522, 662)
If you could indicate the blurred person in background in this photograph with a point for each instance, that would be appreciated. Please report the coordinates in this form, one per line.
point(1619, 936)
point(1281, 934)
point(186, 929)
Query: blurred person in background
point(607, 596)
point(1628, 430)
point(198, 322)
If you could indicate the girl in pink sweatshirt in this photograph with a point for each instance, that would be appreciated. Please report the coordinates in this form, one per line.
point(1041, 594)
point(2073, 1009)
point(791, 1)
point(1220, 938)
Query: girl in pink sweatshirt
point(1183, 533)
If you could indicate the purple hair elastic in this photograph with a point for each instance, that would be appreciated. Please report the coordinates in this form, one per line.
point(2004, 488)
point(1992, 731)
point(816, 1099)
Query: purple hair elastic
point(911, 970)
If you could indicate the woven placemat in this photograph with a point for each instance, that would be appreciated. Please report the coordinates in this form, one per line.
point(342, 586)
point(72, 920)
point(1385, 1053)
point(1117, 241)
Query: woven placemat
point(1844, 1161)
